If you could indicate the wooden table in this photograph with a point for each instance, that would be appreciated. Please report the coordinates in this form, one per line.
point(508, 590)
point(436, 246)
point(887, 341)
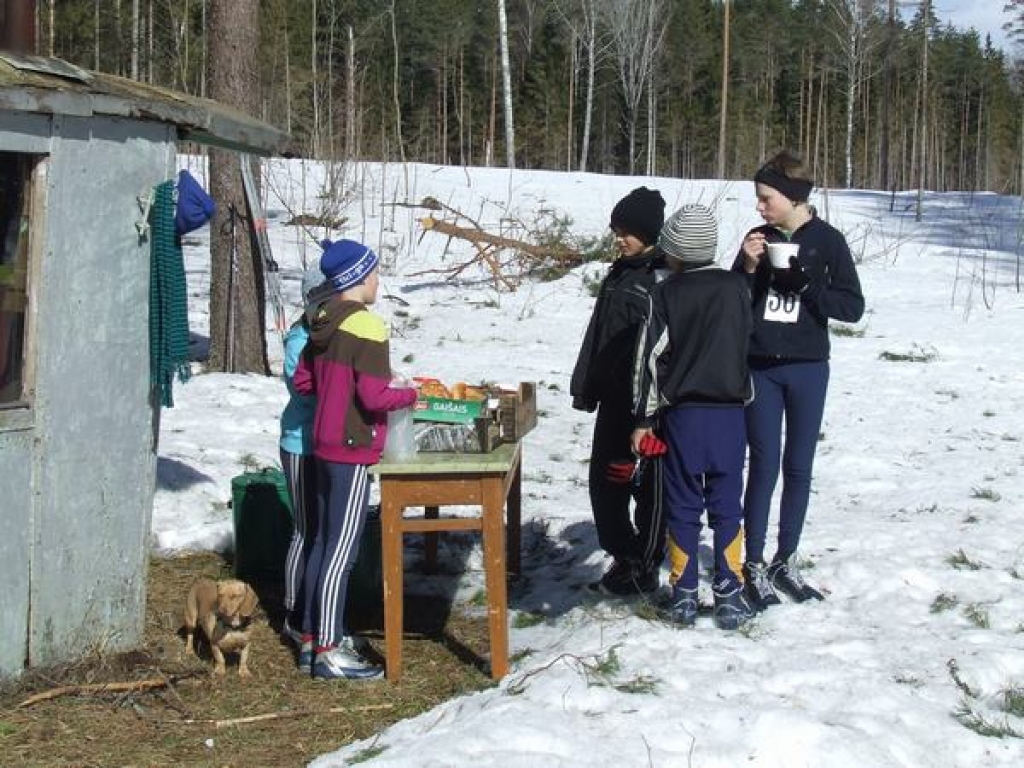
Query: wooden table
point(433, 480)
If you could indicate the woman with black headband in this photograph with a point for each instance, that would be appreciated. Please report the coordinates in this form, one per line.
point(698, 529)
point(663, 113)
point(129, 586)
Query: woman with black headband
point(789, 352)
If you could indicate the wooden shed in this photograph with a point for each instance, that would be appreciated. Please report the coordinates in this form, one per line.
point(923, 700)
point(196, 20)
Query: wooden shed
point(78, 420)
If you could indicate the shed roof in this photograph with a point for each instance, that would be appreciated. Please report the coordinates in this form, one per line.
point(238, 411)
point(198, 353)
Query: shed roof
point(52, 86)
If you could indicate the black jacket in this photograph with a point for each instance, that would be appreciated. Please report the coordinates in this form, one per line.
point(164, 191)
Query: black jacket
point(604, 367)
point(693, 349)
point(833, 292)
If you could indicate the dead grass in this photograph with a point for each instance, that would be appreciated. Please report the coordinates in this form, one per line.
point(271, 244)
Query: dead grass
point(177, 725)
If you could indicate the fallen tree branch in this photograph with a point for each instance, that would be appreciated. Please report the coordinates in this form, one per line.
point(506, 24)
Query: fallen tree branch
point(527, 256)
point(284, 714)
point(101, 688)
point(476, 235)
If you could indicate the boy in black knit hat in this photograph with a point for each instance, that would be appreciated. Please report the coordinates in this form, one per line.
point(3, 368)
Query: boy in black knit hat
point(602, 381)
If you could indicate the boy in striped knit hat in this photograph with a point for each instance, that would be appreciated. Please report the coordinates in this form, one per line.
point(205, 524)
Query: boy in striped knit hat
point(346, 365)
point(691, 380)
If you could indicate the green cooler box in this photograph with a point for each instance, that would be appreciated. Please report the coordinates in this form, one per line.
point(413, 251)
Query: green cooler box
point(263, 523)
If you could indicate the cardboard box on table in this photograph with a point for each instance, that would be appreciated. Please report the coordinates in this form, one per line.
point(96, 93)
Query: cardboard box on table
point(475, 426)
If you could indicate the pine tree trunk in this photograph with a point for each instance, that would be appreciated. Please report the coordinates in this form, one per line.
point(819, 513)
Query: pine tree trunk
point(314, 80)
point(493, 117)
point(922, 140)
point(395, 83)
point(135, 40)
point(237, 301)
point(149, 45)
point(570, 128)
point(96, 35)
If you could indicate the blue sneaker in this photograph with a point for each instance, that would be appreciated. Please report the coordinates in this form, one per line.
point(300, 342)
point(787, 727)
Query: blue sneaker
point(682, 608)
point(343, 662)
point(304, 648)
point(731, 608)
point(304, 658)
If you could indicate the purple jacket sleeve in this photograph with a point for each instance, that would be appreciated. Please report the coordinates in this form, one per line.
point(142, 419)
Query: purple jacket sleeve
point(376, 394)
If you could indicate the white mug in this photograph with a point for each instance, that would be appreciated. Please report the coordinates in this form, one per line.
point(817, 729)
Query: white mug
point(779, 253)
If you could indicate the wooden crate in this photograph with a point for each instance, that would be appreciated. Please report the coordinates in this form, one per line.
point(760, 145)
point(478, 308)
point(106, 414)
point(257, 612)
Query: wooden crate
point(517, 412)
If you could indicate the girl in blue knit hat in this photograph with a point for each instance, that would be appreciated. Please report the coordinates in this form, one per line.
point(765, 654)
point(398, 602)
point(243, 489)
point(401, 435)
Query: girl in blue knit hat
point(346, 365)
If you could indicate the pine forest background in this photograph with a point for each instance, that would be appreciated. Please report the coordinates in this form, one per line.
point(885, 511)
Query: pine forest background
point(869, 98)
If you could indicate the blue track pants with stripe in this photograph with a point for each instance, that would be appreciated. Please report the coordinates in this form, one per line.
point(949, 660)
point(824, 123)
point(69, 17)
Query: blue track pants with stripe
point(343, 493)
point(704, 471)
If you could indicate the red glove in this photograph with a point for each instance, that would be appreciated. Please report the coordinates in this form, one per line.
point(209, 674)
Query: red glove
point(620, 472)
point(651, 445)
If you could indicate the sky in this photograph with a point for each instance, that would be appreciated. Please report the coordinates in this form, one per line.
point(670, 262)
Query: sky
point(986, 16)
point(913, 533)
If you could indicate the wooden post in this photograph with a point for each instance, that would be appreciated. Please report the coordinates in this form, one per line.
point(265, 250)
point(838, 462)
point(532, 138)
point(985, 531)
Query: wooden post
point(18, 26)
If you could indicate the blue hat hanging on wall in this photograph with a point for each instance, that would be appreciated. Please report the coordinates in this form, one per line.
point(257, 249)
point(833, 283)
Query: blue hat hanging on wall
point(195, 207)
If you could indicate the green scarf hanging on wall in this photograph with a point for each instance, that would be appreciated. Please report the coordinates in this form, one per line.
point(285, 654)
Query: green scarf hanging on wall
point(168, 299)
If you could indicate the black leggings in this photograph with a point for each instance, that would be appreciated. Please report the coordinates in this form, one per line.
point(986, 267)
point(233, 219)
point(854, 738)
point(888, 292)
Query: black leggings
point(639, 537)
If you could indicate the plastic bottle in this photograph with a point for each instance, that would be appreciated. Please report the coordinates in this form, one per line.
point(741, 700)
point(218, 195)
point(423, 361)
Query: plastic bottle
point(401, 442)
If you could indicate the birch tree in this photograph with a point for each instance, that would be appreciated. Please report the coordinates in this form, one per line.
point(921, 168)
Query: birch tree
point(855, 45)
point(637, 28)
point(506, 81)
point(724, 107)
point(581, 18)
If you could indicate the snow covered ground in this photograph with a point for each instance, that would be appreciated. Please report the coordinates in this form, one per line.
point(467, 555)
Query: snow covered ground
point(915, 658)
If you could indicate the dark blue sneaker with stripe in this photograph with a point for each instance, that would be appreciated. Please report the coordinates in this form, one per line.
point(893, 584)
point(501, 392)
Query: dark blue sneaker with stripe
point(731, 608)
point(303, 646)
point(682, 608)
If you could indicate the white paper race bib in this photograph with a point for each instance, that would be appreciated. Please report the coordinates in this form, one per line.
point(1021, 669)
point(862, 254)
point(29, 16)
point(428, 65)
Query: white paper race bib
point(781, 308)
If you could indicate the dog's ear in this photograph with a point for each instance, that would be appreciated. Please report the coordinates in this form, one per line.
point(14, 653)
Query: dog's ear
point(249, 602)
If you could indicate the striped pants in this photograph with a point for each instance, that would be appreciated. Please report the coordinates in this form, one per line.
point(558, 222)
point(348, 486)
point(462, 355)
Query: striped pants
point(342, 493)
point(300, 475)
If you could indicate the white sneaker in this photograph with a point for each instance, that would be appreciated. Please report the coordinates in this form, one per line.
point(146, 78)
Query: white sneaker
point(344, 662)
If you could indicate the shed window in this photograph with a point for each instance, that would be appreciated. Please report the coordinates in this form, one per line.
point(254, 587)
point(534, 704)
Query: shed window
point(15, 214)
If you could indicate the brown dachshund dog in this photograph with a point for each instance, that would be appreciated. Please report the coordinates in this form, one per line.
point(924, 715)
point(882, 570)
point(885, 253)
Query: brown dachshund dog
point(224, 610)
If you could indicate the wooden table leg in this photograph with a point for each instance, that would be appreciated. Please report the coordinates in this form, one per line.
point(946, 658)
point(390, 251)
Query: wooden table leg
point(515, 501)
point(391, 559)
point(495, 573)
point(430, 542)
